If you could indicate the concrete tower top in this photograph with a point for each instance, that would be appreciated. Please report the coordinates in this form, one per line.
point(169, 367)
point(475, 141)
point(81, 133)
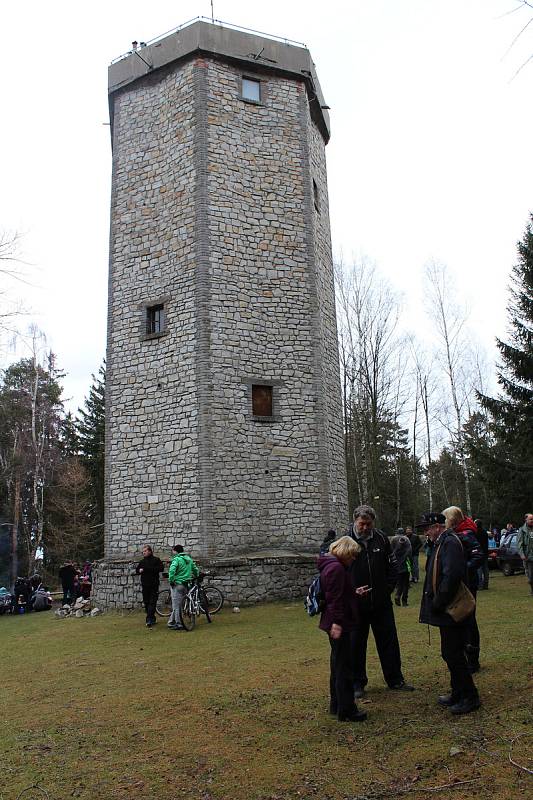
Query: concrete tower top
point(255, 52)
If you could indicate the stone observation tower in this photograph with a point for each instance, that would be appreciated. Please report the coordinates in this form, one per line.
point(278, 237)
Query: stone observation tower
point(224, 420)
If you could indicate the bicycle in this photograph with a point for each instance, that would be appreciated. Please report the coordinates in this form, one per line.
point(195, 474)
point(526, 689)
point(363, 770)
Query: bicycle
point(193, 603)
point(213, 596)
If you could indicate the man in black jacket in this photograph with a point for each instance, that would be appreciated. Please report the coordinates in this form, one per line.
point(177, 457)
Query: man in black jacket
point(450, 571)
point(375, 570)
point(149, 568)
point(67, 576)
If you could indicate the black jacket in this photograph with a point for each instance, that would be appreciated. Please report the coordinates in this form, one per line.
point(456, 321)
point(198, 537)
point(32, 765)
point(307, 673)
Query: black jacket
point(483, 539)
point(416, 544)
point(451, 567)
point(376, 567)
point(67, 574)
point(151, 567)
point(474, 557)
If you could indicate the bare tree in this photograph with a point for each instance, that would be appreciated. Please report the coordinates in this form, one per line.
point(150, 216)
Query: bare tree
point(527, 6)
point(426, 390)
point(30, 402)
point(11, 272)
point(69, 534)
point(368, 311)
point(449, 318)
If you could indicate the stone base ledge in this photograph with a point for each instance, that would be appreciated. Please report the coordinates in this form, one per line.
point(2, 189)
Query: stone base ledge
point(244, 579)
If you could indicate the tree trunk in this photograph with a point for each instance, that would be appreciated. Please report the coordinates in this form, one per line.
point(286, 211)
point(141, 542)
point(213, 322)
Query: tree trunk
point(425, 404)
point(15, 531)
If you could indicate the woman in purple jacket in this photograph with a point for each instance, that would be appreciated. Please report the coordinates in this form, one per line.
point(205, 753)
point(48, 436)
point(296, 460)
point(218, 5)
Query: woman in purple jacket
point(338, 620)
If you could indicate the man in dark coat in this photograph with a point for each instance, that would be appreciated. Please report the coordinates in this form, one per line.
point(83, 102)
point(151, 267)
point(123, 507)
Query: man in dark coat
point(450, 571)
point(375, 570)
point(465, 528)
point(67, 576)
point(149, 568)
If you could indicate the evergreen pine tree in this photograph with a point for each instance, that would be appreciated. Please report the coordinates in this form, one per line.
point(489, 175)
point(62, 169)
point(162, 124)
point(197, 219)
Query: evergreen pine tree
point(508, 459)
point(91, 440)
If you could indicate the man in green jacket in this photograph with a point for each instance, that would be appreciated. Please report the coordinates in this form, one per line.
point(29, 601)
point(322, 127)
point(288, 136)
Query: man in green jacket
point(524, 543)
point(181, 571)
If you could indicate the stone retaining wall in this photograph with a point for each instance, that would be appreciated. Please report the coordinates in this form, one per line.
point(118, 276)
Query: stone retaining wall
point(256, 578)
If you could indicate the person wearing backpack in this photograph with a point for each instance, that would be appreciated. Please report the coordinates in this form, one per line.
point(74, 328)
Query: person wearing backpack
point(181, 571)
point(338, 619)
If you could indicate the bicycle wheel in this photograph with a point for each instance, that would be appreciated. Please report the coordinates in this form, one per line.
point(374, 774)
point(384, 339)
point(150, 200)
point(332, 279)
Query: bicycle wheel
point(187, 615)
point(215, 599)
point(164, 603)
point(204, 605)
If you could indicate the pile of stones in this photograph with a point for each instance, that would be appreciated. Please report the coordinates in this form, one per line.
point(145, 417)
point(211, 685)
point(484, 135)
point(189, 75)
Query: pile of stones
point(81, 608)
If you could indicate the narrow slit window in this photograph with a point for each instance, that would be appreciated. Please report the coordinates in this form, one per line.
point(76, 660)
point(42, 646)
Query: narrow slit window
point(155, 319)
point(251, 90)
point(316, 197)
point(262, 400)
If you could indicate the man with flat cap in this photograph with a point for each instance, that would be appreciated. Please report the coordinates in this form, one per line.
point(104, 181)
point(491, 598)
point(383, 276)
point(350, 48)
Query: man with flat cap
point(447, 552)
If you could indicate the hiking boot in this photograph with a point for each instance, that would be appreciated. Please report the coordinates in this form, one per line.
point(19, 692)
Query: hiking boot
point(355, 716)
point(397, 601)
point(402, 687)
point(447, 700)
point(405, 603)
point(466, 705)
point(358, 691)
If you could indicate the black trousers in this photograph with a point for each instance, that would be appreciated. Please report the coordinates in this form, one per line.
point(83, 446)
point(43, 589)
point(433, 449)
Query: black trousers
point(452, 648)
point(402, 587)
point(150, 601)
point(341, 677)
point(383, 626)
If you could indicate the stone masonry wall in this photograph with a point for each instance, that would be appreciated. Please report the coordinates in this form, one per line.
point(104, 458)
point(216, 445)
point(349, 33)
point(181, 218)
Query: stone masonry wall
point(243, 581)
point(213, 216)
point(328, 339)
point(272, 477)
point(152, 486)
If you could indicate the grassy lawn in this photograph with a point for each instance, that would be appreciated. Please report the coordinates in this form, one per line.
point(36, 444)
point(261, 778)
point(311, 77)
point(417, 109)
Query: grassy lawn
point(104, 708)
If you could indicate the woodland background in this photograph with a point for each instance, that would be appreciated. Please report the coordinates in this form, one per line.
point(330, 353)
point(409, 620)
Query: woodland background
point(422, 430)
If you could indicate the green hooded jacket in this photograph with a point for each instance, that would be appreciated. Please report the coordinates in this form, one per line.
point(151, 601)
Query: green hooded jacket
point(182, 569)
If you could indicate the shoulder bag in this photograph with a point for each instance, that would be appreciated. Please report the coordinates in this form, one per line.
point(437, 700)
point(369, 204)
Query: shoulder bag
point(464, 602)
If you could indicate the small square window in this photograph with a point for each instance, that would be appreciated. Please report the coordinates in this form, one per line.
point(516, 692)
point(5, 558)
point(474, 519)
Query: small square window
point(251, 90)
point(262, 400)
point(155, 319)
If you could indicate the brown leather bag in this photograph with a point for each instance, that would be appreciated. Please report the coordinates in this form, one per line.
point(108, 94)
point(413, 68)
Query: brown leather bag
point(464, 602)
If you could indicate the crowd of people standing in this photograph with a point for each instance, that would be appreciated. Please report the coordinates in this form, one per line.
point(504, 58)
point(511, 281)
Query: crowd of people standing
point(359, 573)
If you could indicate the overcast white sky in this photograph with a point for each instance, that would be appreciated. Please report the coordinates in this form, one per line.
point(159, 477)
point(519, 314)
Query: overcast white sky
point(430, 155)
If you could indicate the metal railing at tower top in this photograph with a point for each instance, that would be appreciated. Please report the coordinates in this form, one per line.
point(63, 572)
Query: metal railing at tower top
point(211, 21)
